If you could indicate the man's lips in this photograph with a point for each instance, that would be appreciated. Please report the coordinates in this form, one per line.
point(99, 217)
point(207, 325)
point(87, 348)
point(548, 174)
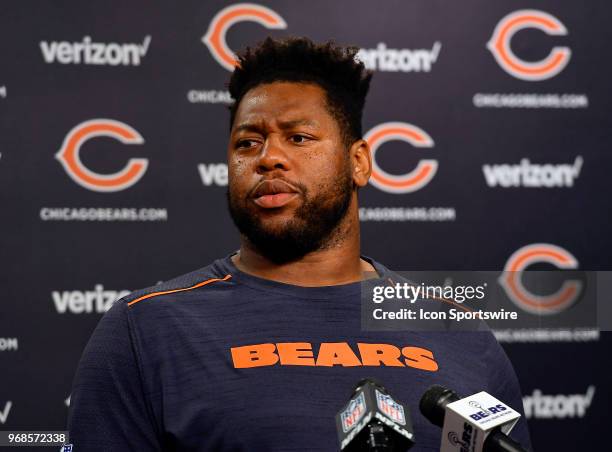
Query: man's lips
point(273, 193)
point(276, 200)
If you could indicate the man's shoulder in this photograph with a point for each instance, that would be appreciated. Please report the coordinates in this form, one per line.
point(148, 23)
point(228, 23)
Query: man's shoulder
point(424, 299)
point(172, 289)
point(476, 331)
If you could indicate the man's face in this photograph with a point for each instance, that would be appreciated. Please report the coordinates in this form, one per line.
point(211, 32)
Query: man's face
point(290, 180)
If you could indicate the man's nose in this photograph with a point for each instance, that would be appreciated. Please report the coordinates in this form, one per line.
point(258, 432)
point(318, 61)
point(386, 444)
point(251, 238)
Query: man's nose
point(272, 156)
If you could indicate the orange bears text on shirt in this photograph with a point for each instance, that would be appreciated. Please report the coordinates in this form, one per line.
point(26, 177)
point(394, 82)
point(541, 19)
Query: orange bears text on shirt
point(332, 354)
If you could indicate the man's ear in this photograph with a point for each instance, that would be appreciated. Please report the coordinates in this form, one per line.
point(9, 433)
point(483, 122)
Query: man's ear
point(361, 162)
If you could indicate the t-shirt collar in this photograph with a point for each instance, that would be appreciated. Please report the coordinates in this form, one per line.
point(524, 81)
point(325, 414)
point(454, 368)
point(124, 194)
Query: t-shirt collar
point(264, 284)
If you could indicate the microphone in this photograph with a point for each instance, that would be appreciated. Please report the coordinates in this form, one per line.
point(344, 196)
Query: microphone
point(478, 423)
point(373, 421)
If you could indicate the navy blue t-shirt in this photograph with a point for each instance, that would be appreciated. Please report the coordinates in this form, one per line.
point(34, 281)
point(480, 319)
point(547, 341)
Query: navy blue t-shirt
point(220, 360)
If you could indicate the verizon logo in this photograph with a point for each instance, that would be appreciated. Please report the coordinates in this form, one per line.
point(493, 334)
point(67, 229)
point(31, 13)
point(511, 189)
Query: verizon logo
point(399, 60)
point(95, 53)
point(213, 174)
point(80, 302)
point(527, 174)
point(5, 412)
point(560, 406)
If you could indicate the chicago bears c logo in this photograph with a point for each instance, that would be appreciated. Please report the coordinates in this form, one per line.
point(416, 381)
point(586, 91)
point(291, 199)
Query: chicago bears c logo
point(405, 183)
point(224, 19)
point(525, 299)
point(68, 155)
point(500, 45)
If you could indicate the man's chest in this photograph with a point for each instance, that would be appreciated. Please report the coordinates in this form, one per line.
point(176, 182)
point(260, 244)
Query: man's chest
point(278, 392)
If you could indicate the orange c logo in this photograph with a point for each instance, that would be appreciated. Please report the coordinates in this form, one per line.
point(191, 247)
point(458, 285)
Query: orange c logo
point(224, 19)
point(499, 45)
point(415, 179)
point(68, 156)
point(540, 304)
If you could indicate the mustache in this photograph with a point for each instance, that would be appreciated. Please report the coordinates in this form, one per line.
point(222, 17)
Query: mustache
point(299, 186)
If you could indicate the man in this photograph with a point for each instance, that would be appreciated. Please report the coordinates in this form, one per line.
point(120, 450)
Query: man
point(260, 349)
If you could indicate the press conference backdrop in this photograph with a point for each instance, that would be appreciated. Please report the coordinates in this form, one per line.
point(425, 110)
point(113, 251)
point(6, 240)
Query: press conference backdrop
point(490, 131)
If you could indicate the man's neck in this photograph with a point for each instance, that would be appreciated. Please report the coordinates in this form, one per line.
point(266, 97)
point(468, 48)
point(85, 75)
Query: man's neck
point(328, 267)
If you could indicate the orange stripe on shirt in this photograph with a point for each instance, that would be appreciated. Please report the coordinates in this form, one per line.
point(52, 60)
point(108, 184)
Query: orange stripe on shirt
point(200, 284)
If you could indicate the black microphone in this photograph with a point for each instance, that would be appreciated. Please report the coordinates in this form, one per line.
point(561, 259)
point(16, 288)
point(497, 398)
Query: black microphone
point(373, 421)
point(478, 423)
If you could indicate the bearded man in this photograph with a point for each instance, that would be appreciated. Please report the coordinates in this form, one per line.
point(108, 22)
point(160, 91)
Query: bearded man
point(258, 350)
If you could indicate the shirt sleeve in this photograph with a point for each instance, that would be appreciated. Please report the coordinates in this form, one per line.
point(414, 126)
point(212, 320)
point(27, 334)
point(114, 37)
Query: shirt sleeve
point(108, 409)
point(505, 387)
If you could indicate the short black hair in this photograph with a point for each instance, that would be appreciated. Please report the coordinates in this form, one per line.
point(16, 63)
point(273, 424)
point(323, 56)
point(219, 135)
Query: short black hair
point(334, 68)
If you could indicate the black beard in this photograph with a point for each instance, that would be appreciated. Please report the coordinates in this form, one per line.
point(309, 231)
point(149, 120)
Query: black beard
point(309, 230)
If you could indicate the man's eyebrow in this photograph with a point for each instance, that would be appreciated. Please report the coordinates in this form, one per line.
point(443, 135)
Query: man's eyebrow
point(257, 128)
point(248, 127)
point(297, 122)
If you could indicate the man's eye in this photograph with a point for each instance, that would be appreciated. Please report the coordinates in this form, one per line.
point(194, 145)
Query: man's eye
point(299, 139)
point(242, 144)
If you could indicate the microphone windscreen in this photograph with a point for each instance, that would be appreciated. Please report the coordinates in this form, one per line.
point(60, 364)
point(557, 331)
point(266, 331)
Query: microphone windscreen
point(434, 401)
point(365, 381)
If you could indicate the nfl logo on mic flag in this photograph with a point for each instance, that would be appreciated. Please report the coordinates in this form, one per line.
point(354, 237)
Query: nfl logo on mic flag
point(353, 413)
point(390, 407)
point(371, 409)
